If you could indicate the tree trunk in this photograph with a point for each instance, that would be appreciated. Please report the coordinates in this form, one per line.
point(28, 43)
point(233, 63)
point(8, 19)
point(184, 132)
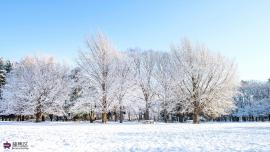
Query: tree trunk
point(196, 116)
point(129, 116)
point(51, 117)
point(91, 115)
point(165, 116)
point(115, 115)
point(38, 111)
point(195, 102)
point(43, 118)
point(104, 117)
point(140, 116)
point(146, 114)
point(38, 116)
point(121, 114)
point(104, 101)
point(19, 118)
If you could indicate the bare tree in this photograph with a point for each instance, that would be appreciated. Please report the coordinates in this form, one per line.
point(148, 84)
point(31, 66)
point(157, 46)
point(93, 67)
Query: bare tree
point(97, 65)
point(208, 81)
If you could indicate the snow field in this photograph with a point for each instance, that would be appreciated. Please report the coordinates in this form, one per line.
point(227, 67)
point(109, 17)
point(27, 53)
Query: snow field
point(86, 137)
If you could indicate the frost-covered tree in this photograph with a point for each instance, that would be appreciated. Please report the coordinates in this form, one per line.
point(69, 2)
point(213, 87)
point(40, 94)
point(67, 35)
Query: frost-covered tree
point(83, 98)
point(97, 65)
point(37, 85)
point(144, 64)
point(207, 82)
point(253, 99)
point(124, 83)
point(5, 68)
point(2, 81)
point(75, 88)
point(3, 73)
point(164, 77)
point(8, 66)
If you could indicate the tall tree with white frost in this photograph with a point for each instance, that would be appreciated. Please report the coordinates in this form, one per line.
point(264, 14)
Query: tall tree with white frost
point(123, 84)
point(36, 86)
point(163, 75)
point(98, 67)
point(144, 64)
point(207, 83)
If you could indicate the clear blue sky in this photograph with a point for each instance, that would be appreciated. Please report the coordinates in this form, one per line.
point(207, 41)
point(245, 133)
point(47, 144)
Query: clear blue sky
point(239, 29)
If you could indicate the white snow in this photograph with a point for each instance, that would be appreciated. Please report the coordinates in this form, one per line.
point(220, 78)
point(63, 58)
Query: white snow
point(83, 136)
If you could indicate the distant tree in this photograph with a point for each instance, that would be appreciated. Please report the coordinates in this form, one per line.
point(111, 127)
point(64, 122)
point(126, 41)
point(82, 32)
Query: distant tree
point(8, 66)
point(253, 99)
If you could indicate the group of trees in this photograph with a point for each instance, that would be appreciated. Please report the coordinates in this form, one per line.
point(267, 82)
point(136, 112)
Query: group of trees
point(253, 101)
point(189, 79)
point(35, 86)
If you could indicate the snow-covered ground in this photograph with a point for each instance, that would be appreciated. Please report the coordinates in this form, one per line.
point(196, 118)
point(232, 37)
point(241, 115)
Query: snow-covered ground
point(77, 137)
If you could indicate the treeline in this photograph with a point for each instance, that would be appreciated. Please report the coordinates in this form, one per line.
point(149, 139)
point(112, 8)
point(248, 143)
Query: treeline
point(253, 101)
point(187, 82)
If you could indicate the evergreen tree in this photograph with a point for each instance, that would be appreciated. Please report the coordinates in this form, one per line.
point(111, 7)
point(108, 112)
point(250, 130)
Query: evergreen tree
point(2, 75)
point(8, 66)
point(2, 72)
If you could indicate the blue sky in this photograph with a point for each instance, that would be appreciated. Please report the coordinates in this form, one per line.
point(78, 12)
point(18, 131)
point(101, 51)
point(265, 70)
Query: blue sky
point(237, 29)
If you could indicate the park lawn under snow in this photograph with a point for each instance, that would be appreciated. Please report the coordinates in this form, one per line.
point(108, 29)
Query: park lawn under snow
point(76, 136)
